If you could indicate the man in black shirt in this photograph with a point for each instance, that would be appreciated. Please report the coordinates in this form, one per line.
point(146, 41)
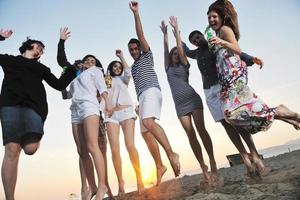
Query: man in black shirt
point(23, 104)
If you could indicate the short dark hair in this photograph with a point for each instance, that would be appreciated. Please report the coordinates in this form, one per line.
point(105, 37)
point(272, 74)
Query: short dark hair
point(110, 68)
point(98, 63)
point(193, 33)
point(27, 45)
point(135, 41)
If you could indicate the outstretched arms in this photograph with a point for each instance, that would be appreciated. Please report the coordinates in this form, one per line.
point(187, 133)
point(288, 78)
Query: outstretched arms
point(182, 56)
point(134, 7)
point(5, 34)
point(127, 70)
point(61, 54)
point(164, 29)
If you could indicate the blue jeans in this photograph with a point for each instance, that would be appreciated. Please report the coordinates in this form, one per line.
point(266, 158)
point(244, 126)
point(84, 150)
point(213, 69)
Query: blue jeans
point(18, 122)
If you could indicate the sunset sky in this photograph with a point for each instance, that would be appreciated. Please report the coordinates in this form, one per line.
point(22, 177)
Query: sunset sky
point(269, 30)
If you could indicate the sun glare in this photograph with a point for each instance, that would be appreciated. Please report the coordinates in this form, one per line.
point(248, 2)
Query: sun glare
point(149, 176)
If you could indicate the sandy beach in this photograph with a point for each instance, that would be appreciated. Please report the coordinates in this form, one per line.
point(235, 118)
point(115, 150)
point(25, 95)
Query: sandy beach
point(280, 181)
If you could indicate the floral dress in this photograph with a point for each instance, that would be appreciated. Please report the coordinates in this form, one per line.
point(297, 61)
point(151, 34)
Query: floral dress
point(242, 108)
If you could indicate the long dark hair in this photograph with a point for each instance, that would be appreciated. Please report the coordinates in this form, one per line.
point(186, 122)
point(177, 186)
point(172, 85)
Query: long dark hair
point(110, 68)
point(227, 13)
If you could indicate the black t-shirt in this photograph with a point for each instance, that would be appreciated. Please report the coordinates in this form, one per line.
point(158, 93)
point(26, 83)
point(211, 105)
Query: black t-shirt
point(22, 84)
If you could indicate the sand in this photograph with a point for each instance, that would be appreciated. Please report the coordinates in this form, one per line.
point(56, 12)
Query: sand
point(280, 181)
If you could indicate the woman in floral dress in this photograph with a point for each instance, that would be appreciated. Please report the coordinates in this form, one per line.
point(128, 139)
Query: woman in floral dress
point(241, 106)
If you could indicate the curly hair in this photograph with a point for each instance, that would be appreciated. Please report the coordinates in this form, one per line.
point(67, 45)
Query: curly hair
point(229, 17)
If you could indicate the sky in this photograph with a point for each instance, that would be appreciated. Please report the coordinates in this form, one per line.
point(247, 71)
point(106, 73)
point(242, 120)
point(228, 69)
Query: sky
point(269, 29)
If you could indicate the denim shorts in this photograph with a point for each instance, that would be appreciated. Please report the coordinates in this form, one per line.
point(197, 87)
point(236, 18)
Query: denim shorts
point(18, 122)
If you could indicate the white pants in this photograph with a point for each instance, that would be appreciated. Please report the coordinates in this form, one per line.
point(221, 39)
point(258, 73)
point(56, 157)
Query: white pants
point(213, 101)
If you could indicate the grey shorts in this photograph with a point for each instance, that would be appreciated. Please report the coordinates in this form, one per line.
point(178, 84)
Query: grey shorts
point(18, 122)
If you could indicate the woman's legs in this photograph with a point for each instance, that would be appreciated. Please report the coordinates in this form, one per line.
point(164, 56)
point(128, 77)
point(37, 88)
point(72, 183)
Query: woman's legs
point(128, 130)
point(103, 148)
point(206, 140)
point(153, 147)
point(254, 154)
point(113, 133)
point(234, 136)
point(91, 132)
point(186, 122)
point(85, 162)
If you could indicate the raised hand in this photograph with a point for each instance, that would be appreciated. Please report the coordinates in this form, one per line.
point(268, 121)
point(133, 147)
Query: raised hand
point(164, 27)
point(258, 61)
point(173, 22)
point(6, 33)
point(134, 6)
point(119, 53)
point(64, 33)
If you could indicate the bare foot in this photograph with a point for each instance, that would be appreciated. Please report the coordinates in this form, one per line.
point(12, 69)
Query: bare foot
point(259, 165)
point(110, 195)
point(206, 176)
point(86, 195)
point(293, 122)
point(251, 169)
point(121, 193)
point(102, 189)
point(159, 174)
point(283, 112)
point(141, 188)
point(214, 170)
point(174, 160)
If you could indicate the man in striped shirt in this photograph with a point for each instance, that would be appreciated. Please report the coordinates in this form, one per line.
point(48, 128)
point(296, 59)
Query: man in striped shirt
point(149, 97)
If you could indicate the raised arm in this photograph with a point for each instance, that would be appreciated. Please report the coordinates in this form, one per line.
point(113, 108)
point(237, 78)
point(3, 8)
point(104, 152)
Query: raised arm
point(164, 29)
point(182, 56)
point(126, 68)
point(61, 54)
point(5, 34)
point(227, 39)
point(134, 7)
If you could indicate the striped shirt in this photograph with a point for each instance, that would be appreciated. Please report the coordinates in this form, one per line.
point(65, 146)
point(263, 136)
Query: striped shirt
point(144, 76)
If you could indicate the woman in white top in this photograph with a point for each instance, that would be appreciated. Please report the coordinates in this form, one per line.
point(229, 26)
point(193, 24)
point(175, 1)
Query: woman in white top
point(85, 116)
point(122, 116)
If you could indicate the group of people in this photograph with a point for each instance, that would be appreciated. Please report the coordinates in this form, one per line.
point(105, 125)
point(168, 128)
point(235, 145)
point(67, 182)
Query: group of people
point(223, 67)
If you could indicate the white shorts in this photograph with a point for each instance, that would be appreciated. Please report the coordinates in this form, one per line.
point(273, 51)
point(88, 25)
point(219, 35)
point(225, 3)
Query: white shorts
point(121, 115)
point(150, 102)
point(83, 110)
point(212, 97)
